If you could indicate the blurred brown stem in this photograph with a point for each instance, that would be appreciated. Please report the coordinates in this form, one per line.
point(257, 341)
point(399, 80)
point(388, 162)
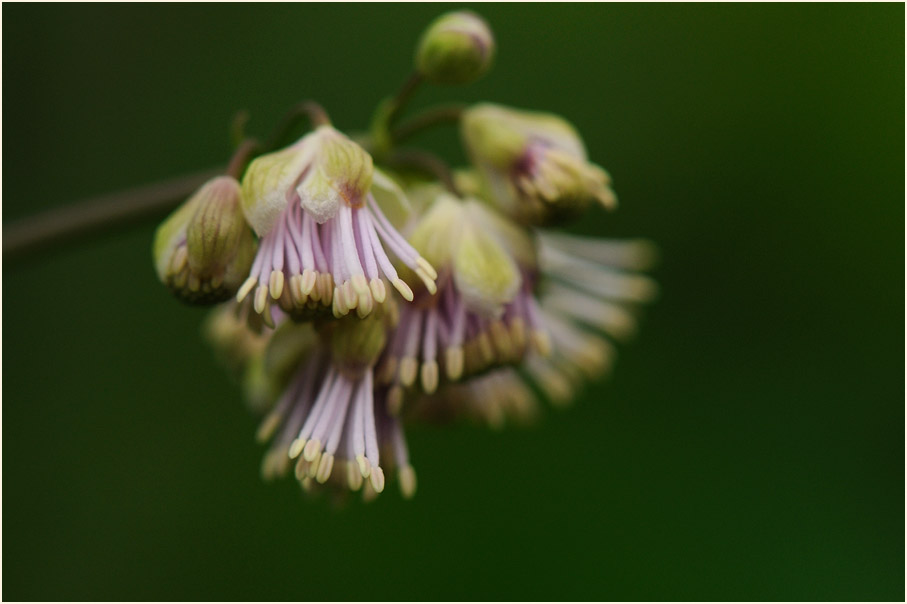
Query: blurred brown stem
point(426, 162)
point(427, 119)
point(65, 224)
point(306, 109)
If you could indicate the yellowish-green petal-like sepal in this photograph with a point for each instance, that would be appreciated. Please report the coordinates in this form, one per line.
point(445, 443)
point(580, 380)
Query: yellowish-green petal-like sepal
point(484, 272)
point(341, 173)
point(269, 182)
point(457, 48)
point(439, 230)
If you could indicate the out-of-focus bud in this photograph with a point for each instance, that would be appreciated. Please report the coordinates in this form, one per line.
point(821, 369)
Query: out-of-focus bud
point(203, 251)
point(457, 48)
point(357, 343)
point(533, 164)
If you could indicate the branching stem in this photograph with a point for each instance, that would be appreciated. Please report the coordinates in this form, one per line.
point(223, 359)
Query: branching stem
point(426, 162)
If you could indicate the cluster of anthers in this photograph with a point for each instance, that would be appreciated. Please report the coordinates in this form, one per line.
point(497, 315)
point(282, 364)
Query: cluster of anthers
point(466, 303)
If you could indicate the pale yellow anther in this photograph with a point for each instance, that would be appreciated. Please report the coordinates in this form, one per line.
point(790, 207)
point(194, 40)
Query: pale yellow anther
point(312, 469)
point(338, 304)
point(267, 427)
point(308, 281)
point(409, 368)
point(327, 287)
point(500, 335)
point(307, 484)
point(261, 299)
point(485, 350)
point(541, 343)
point(365, 468)
point(296, 447)
point(404, 289)
point(276, 284)
point(325, 468)
point(301, 467)
point(216, 281)
point(453, 362)
point(312, 450)
point(427, 280)
point(194, 284)
point(379, 293)
point(353, 476)
point(518, 333)
point(350, 299)
point(365, 305)
point(377, 479)
point(426, 266)
point(430, 376)
point(395, 400)
point(407, 477)
point(360, 284)
point(267, 318)
point(296, 295)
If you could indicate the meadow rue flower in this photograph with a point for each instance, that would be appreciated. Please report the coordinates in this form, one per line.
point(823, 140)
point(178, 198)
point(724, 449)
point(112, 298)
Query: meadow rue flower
point(484, 314)
point(323, 234)
point(331, 413)
point(533, 164)
point(203, 250)
point(457, 48)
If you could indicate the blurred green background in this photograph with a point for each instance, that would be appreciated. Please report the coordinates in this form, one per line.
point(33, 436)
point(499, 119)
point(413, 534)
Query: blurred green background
point(750, 445)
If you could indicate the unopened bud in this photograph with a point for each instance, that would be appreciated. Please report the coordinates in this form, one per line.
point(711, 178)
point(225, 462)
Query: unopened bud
point(457, 48)
point(357, 343)
point(204, 249)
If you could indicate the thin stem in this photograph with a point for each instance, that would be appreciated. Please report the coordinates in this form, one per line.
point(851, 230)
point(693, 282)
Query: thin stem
point(315, 113)
point(426, 162)
point(72, 221)
point(431, 117)
point(404, 95)
point(242, 156)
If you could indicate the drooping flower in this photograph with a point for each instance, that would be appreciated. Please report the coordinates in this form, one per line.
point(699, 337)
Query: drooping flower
point(324, 235)
point(331, 414)
point(484, 314)
point(203, 250)
point(534, 165)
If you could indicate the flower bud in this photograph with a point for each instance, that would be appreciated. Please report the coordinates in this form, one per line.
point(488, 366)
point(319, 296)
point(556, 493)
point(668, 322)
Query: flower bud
point(357, 343)
point(204, 249)
point(457, 48)
point(534, 165)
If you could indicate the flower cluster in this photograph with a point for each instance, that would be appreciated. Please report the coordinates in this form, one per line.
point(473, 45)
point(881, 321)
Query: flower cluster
point(362, 287)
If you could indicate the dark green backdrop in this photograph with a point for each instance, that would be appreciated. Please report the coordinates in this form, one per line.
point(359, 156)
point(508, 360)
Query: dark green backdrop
point(750, 445)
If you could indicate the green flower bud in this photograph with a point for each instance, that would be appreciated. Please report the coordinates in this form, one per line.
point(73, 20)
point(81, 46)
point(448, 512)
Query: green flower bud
point(357, 343)
point(457, 48)
point(204, 249)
